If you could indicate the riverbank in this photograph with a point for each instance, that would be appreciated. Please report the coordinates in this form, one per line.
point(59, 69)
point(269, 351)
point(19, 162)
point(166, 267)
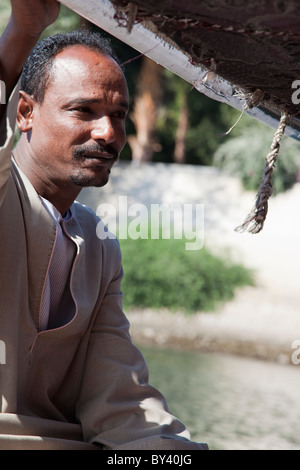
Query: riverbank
point(260, 322)
point(256, 324)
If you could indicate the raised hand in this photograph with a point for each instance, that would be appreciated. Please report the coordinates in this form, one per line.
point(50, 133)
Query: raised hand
point(29, 18)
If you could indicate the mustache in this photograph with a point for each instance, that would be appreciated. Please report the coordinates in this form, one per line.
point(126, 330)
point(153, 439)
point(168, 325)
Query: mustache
point(81, 151)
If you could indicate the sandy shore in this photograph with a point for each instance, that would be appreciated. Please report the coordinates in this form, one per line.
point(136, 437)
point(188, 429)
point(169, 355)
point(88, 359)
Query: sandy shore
point(262, 321)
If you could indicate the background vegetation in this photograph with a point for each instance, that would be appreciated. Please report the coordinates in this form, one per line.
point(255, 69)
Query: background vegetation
point(161, 273)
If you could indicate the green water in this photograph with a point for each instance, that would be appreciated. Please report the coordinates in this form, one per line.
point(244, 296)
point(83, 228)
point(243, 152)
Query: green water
point(228, 402)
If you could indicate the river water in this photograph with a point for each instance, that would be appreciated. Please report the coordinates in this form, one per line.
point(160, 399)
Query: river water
point(229, 402)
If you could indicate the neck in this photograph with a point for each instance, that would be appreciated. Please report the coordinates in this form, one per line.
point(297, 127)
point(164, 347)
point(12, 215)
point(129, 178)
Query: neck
point(60, 194)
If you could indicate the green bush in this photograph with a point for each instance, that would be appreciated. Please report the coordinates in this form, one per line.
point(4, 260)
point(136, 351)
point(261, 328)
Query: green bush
point(243, 152)
point(161, 273)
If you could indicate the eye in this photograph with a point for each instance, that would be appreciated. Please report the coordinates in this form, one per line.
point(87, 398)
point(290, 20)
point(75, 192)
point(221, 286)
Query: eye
point(82, 109)
point(120, 115)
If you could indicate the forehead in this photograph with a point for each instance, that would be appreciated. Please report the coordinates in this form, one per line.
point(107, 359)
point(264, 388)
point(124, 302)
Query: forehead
point(77, 69)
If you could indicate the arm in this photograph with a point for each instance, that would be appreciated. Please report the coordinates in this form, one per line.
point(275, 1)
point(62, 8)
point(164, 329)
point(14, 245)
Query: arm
point(117, 407)
point(28, 20)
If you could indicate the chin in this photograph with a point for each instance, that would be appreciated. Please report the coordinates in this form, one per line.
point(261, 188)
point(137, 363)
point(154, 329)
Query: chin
point(85, 181)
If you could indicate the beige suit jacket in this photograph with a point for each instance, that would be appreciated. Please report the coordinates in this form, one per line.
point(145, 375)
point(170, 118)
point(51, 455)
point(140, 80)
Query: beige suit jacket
point(83, 385)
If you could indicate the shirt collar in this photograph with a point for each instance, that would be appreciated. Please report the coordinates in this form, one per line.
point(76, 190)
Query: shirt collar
point(56, 215)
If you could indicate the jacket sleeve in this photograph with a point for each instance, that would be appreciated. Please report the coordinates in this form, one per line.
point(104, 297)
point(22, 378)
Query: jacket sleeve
point(7, 128)
point(118, 409)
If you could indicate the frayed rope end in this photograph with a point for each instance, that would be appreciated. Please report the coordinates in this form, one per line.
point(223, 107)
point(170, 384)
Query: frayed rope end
point(254, 222)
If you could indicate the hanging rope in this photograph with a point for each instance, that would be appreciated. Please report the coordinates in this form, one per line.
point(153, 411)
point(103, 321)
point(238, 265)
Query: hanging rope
point(254, 222)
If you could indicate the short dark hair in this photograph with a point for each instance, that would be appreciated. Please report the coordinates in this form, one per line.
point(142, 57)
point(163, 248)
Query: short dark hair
point(37, 70)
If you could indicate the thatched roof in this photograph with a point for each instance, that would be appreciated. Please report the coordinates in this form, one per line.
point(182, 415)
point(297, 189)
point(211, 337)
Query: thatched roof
point(254, 45)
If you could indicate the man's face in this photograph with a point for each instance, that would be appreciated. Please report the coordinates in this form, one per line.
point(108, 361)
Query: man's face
point(78, 131)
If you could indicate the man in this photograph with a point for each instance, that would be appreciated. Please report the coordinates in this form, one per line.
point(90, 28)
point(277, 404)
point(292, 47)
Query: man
point(71, 378)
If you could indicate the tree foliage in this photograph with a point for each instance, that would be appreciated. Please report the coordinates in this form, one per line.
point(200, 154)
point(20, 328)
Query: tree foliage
point(243, 155)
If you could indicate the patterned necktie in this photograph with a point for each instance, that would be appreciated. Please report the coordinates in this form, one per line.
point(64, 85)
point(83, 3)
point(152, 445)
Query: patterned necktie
point(57, 304)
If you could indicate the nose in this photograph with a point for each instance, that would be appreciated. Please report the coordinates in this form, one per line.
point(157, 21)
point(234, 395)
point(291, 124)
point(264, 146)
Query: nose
point(103, 130)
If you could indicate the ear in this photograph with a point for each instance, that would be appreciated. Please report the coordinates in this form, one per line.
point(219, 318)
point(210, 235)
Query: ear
point(25, 112)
